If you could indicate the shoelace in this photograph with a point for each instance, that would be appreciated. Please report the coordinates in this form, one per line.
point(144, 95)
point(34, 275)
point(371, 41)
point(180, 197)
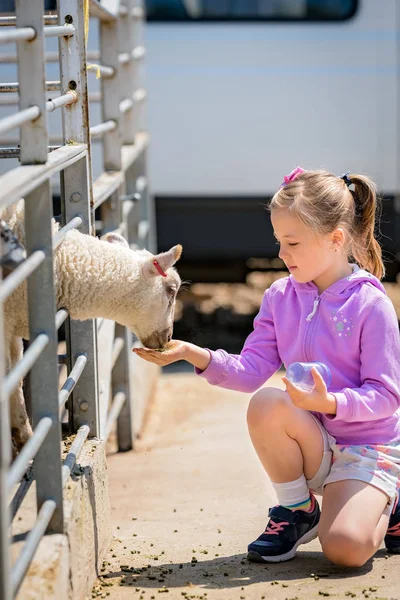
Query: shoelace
point(394, 530)
point(275, 528)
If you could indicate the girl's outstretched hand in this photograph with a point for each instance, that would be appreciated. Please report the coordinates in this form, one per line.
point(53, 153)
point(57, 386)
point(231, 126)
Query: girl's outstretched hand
point(318, 400)
point(176, 350)
point(173, 351)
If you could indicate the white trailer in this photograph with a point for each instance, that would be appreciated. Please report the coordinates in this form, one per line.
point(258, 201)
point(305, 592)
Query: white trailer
point(242, 92)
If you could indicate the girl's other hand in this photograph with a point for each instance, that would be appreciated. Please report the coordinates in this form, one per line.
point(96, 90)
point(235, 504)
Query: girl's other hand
point(175, 350)
point(318, 400)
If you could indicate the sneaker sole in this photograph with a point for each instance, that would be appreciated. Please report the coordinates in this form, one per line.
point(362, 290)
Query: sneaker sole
point(308, 537)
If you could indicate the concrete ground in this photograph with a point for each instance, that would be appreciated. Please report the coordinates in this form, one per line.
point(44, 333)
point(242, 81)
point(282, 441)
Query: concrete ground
point(193, 495)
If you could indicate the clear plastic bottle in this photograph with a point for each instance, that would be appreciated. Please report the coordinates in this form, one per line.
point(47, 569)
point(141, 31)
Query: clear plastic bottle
point(300, 374)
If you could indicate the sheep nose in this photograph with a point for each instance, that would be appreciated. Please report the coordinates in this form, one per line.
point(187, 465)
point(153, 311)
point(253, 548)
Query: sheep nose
point(169, 337)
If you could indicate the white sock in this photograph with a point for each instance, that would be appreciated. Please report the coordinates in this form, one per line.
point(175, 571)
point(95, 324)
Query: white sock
point(293, 494)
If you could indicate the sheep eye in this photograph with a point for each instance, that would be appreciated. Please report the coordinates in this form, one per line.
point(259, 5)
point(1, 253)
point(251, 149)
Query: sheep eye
point(170, 291)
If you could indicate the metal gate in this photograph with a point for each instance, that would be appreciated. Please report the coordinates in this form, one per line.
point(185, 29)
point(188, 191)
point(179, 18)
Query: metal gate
point(118, 198)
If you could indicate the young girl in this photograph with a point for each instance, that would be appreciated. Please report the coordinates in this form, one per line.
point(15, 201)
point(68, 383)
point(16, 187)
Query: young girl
point(345, 441)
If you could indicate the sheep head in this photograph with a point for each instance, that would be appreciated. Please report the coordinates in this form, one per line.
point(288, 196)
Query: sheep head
point(150, 314)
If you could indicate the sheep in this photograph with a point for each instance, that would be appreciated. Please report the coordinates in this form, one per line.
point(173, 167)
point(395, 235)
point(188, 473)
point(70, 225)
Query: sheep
point(94, 278)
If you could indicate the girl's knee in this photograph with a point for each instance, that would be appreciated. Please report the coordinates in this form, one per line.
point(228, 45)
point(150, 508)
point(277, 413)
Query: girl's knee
point(346, 548)
point(265, 405)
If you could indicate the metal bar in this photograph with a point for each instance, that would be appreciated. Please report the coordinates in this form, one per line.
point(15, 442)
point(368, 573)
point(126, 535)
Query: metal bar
point(125, 105)
point(59, 237)
point(102, 128)
point(119, 343)
point(96, 10)
point(128, 207)
point(121, 383)
point(61, 316)
point(12, 99)
point(116, 406)
point(20, 494)
point(139, 95)
point(21, 117)
point(33, 135)
point(131, 153)
point(72, 379)
point(81, 335)
point(74, 453)
point(55, 138)
point(11, 20)
point(141, 184)
point(17, 34)
point(143, 230)
point(138, 13)
point(49, 57)
point(59, 31)
point(44, 373)
point(15, 152)
point(18, 182)
point(64, 100)
point(128, 73)
point(103, 70)
point(124, 58)
point(73, 73)
point(148, 211)
point(13, 86)
point(29, 451)
point(105, 186)
point(32, 541)
point(110, 89)
point(25, 364)
point(62, 358)
point(5, 458)
point(138, 53)
point(20, 274)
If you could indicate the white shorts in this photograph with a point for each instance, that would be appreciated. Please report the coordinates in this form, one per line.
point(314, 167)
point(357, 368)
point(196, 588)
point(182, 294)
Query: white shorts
point(375, 464)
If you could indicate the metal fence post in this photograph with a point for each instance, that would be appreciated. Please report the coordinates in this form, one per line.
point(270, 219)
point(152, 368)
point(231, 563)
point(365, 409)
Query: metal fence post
point(44, 373)
point(110, 87)
point(127, 42)
point(81, 335)
point(76, 196)
point(34, 138)
point(5, 457)
point(112, 217)
point(120, 382)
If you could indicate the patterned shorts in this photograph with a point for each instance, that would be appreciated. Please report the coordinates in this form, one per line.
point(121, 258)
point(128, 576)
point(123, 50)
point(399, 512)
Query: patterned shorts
point(376, 464)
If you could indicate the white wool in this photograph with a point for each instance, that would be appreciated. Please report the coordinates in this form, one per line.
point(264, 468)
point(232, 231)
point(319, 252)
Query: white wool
point(95, 278)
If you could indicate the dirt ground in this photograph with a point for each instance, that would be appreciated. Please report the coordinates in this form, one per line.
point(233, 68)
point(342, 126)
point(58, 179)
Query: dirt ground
point(191, 497)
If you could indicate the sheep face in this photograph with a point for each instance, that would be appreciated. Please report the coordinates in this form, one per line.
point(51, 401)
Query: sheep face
point(149, 306)
point(154, 319)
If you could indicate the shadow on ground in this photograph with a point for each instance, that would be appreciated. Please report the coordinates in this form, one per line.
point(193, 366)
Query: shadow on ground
point(237, 571)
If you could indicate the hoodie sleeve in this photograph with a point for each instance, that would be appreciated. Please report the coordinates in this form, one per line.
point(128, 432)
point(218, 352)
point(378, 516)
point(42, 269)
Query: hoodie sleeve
point(379, 394)
point(258, 360)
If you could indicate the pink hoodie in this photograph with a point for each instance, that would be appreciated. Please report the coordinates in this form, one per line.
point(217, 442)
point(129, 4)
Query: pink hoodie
point(352, 327)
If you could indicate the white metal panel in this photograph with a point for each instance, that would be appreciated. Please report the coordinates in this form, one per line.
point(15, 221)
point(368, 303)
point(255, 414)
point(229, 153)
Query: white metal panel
point(234, 107)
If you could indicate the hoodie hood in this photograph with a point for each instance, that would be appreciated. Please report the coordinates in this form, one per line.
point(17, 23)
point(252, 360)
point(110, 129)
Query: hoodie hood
point(344, 286)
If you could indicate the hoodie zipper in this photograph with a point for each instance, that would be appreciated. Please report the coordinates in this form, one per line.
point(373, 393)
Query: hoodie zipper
point(308, 334)
point(314, 310)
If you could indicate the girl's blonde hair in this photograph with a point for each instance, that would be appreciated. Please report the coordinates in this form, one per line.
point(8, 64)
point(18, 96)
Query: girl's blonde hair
point(323, 202)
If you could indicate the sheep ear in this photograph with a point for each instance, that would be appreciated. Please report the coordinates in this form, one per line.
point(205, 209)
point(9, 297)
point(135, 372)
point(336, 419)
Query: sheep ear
point(115, 238)
point(165, 260)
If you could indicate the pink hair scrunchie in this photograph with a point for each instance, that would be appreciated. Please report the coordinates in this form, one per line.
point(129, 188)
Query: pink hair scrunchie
point(292, 176)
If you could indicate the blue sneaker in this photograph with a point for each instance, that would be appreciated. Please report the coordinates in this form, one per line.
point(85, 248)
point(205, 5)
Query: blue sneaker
point(392, 537)
point(285, 531)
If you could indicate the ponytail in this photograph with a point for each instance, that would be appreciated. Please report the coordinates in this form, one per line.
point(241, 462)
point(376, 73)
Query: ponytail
point(365, 248)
